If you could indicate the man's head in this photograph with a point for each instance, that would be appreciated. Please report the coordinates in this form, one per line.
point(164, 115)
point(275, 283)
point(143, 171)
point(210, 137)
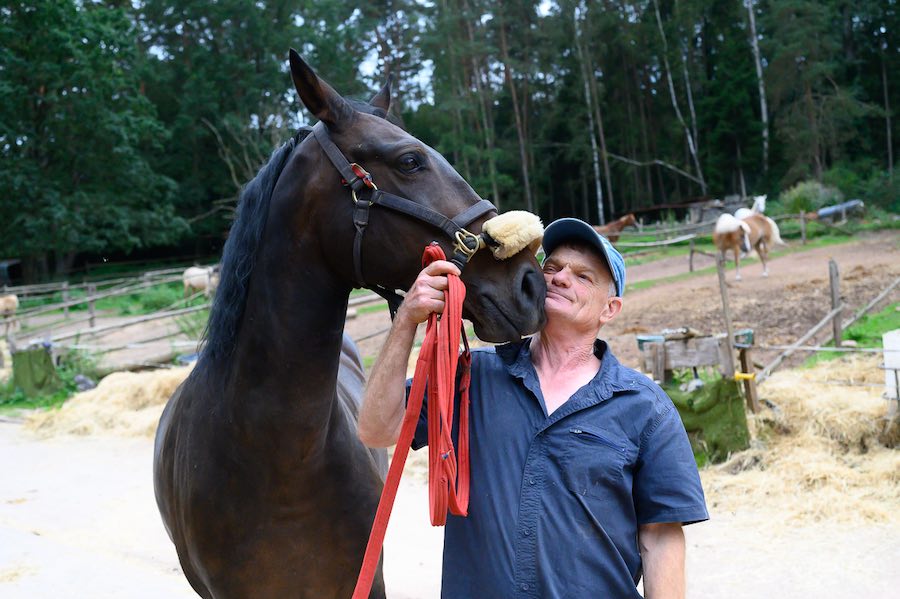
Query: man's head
point(585, 275)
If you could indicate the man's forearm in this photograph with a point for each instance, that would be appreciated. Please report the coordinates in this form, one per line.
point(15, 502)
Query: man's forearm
point(662, 554)
point(381, 413)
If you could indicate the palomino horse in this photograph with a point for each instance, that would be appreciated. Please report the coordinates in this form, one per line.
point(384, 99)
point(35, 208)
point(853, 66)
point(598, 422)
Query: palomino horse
point(611, 230)
point(261, 480)
point(755, 231)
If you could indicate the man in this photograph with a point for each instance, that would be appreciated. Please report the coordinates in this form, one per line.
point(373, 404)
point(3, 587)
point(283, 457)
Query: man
point(582, 474)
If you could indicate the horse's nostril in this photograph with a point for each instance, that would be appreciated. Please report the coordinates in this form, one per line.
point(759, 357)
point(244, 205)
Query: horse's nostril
point(532, 283)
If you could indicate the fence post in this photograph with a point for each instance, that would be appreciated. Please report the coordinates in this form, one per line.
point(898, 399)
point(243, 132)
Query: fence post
point(750, 381)
point(91, 291)
point(691, 258)
point(835, 281)
point(723, 290)
point(65, 298)
point(802, 228)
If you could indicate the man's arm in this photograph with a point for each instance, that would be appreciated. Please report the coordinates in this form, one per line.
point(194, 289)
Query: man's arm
point(662, 553)
point(381, 413)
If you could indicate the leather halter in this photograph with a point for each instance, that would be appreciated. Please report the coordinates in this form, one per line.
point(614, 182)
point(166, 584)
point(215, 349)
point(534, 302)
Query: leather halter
point(366, 195)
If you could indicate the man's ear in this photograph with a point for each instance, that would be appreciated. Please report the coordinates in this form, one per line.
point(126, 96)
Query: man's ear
point(613, 308)
point(319, 98)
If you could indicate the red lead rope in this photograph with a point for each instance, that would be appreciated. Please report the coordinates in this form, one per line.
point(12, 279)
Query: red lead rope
point(448, 485)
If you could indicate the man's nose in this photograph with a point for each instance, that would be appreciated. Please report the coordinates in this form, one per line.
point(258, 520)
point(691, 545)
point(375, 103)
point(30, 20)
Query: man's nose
point(563, 276)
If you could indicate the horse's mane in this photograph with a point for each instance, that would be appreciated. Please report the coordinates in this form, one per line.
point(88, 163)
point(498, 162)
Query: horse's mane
point(239, 254)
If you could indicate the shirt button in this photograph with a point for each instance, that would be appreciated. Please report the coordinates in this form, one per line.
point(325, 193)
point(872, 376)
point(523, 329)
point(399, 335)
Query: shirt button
point(531, 481)
point(524, 586)
point(527, 532)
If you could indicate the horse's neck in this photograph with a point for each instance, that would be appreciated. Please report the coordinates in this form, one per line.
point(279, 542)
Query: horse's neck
point(289, 345)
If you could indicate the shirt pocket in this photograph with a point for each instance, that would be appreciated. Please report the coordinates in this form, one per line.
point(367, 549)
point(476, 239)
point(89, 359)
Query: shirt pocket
point(593, 462)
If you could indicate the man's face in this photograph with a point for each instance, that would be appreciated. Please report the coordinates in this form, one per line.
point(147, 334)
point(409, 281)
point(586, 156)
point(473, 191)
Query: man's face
point(578, 285)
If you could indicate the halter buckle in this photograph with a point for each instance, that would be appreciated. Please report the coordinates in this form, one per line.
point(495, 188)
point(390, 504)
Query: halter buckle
point(467, 243)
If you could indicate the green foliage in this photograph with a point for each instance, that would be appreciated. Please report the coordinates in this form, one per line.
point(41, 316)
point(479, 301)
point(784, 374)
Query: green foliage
point(144, 301)
point(713, 416)
point(809, 196)
point(126, 125)
point(866, 332)
point(71, 364)
point(77, 135)
point(193, 324)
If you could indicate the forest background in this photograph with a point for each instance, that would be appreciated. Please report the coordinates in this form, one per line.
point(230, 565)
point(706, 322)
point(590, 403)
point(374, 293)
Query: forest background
point(127, 128)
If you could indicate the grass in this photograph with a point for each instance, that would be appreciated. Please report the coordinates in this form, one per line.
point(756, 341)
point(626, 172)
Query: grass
point(139, 302)
point(866, 332)
point(13, 400)
point(379, 307)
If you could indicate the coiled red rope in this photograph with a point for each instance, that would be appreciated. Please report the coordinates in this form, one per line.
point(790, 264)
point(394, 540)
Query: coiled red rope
point(436, 367)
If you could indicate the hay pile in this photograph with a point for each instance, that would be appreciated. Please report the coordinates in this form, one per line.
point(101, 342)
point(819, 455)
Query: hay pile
point(818, 455)
point(124, 404)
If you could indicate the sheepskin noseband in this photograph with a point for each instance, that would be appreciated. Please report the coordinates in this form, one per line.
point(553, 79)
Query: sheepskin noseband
point(509, 233)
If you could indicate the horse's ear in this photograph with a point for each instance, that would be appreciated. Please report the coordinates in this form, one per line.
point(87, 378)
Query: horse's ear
point(319, 98)
point(382, 99)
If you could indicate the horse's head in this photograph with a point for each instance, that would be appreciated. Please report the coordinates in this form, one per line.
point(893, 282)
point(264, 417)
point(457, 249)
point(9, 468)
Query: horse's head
point(505, 298)
point(629, 220)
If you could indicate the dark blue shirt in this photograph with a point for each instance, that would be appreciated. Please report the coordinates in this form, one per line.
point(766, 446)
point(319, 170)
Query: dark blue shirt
point(556, 501)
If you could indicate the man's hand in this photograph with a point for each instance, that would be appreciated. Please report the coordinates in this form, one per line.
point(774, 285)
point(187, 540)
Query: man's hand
point(662, 552)
point(384, 402)
point(427, 292)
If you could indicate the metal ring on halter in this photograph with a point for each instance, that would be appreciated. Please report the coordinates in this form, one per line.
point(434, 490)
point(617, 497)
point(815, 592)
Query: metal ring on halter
point(353, 193)
point(462, 236)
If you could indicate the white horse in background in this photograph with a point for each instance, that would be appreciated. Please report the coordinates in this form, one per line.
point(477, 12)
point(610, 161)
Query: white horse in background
point(759, 206)
point(8, 306)
point(200, 278)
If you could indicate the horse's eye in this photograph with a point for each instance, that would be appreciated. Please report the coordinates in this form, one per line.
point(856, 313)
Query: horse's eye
point(409, 163)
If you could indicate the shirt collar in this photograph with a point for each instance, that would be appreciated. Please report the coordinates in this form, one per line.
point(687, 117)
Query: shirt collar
point(611, 377)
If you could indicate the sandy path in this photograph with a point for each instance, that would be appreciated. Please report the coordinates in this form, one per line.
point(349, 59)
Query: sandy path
point(78, 519)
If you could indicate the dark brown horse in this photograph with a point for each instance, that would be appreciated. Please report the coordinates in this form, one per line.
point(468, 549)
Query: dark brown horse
point(611, 230)
point(260, 478)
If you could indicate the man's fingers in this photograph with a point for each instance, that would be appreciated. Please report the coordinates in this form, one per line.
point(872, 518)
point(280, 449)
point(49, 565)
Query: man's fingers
point(441, 267)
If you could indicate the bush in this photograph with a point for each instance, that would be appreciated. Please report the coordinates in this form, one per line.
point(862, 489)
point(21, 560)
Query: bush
point(809, 196)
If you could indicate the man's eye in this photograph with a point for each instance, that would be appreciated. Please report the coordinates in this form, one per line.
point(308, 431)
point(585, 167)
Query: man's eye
point(409, 163)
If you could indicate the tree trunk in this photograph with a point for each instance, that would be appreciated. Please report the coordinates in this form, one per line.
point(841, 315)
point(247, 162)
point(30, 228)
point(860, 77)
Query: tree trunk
point(741, 171)
point(520, 131)
point(687, 132)
point(485, 108)
point(887, 119)
point(814, 130)
point(644, 143)
point(763, 111)
point(603, 152)
point(590, 114)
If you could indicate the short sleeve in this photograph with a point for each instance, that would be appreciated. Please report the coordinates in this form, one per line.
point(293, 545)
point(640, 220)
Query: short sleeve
point(666, 481)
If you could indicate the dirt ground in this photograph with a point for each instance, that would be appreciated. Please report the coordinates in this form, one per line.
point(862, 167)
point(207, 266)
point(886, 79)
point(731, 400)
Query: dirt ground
point(78, 519)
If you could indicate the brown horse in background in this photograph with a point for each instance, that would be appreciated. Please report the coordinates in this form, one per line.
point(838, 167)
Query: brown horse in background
point(754, 232)
point(261, 480)
point(611, 230)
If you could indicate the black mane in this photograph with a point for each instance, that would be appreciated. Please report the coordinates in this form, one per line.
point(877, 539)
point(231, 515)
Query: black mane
point(239, 254)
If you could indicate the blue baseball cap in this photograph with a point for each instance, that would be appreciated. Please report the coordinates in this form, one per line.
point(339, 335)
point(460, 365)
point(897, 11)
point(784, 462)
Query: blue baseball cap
point(572, 229)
